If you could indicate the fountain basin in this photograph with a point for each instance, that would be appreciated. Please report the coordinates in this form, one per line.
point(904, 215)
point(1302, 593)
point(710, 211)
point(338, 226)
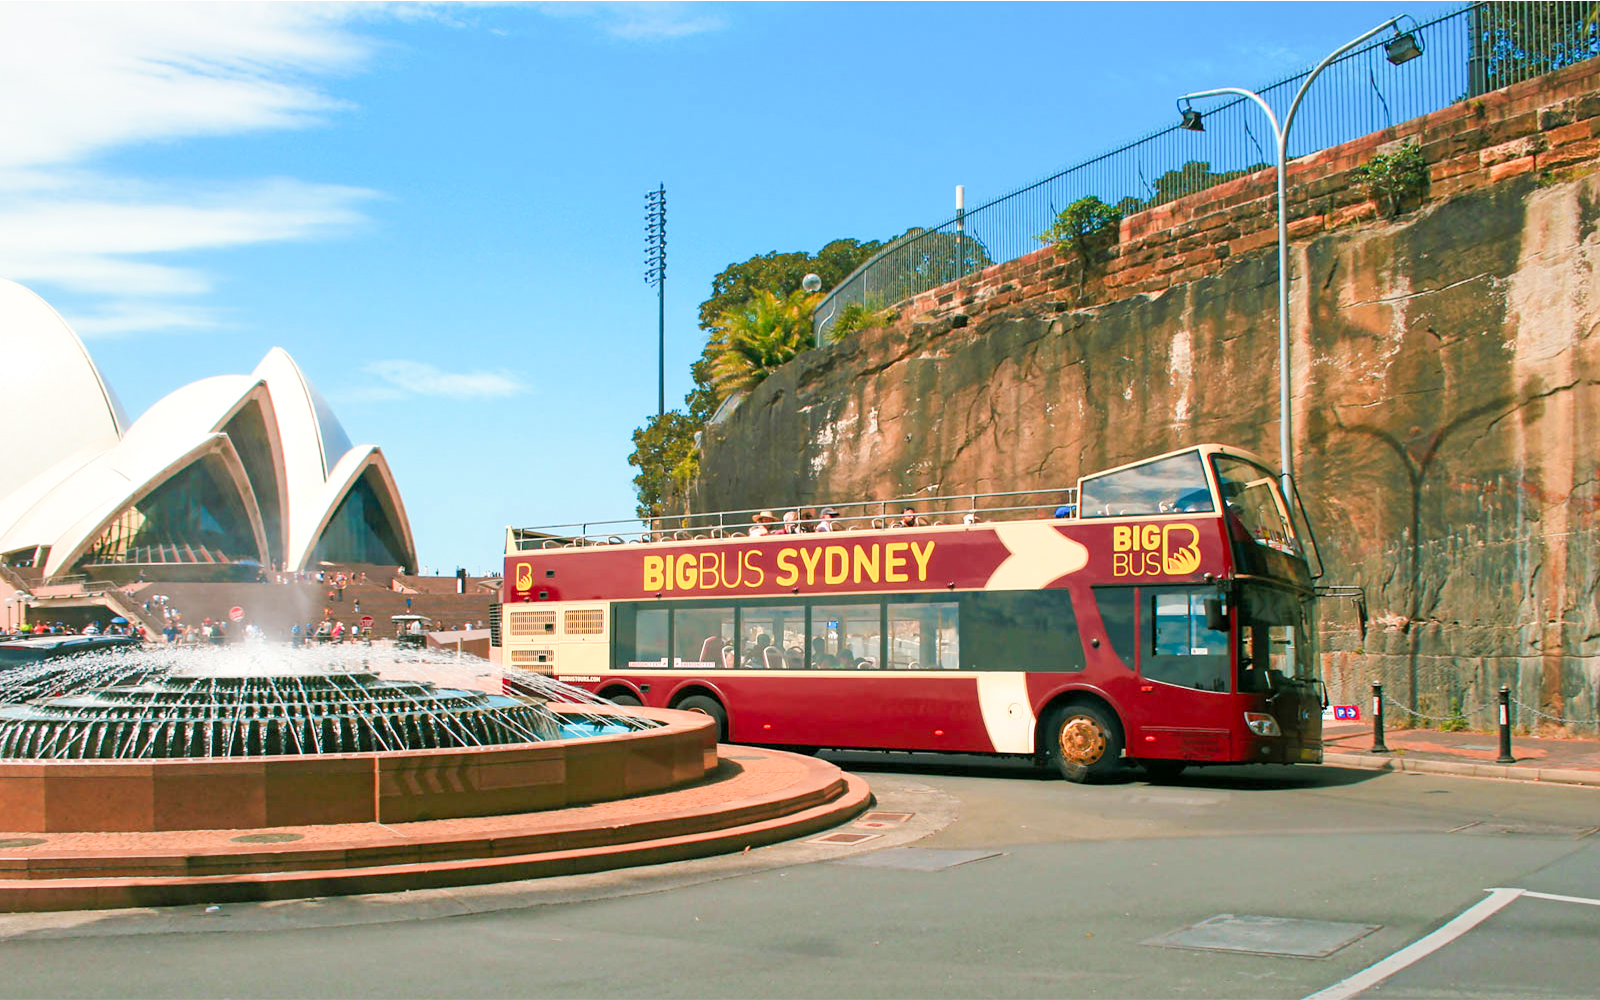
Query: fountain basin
point(391, 786)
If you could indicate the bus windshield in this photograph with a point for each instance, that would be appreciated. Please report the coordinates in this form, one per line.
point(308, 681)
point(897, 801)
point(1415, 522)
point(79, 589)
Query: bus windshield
point(1172, 485)
point(1252, 493)
point(1275, 630)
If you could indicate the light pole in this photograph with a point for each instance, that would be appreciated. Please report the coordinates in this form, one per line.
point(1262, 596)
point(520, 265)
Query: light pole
point(655, 273)
point(1402, 48)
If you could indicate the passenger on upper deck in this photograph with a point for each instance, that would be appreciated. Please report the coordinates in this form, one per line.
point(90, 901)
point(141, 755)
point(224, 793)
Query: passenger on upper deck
point(792, 524)
point(826, 524)
point(761, 520)
point(909, 519)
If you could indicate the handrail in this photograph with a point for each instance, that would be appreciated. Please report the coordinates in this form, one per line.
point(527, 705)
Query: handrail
point(1469, 50)
point(853, 515)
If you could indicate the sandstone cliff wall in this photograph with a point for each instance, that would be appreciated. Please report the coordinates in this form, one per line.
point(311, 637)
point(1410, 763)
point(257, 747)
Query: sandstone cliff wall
point(1446, 409)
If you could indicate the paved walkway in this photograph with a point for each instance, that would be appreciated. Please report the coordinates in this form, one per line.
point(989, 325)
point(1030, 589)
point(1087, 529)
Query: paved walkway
point(1564, 761)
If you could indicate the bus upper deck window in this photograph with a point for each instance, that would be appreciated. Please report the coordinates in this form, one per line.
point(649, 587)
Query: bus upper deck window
point(1171, 485)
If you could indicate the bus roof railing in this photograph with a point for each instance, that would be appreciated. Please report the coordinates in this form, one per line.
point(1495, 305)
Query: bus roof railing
point(855, 515)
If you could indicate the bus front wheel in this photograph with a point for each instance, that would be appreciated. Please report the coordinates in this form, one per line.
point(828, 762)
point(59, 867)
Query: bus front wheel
point(625, 699)
point(1084, 742)
point(708, 706)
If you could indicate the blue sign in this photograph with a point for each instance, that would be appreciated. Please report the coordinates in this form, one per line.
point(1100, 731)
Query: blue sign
point(834, 624)
point(1347, 713)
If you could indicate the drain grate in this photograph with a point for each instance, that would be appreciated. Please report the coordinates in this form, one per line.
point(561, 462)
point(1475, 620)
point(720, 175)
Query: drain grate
point(918, 859)
point(881, 820)
point(1266, 935)
point(836, 839)
point(22, 842)
point(268, 838)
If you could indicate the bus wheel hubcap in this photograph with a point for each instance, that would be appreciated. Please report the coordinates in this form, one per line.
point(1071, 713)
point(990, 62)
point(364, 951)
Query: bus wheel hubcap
point(1082, 742)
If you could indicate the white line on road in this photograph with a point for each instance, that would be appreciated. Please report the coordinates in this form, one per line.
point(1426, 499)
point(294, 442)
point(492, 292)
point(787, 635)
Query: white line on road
point(1374, 974)
point(1562, 899)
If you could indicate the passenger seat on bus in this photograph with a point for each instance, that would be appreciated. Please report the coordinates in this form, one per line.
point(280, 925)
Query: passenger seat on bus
point(708, 649)
point(773, 657)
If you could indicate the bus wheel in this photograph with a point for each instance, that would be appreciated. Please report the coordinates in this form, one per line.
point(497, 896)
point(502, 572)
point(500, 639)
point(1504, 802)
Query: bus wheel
point(624, 698)
point(1083, 742)
point(1162, 770)
point(707, 706)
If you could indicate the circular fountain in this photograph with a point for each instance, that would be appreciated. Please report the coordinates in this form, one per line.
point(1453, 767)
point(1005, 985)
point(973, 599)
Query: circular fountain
point(258, 772)
point(261, 715)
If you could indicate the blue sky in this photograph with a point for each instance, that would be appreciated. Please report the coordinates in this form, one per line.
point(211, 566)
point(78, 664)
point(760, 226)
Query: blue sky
point(438, 210)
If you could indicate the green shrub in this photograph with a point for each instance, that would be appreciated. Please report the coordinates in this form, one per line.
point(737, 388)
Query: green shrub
point(1396, 181)
point(1087, 229)
point(858, 316)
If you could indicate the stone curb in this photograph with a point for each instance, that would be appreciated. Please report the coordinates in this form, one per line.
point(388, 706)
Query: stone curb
point(1470, 769)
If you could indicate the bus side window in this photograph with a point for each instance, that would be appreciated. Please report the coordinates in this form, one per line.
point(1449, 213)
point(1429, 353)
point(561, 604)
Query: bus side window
point(924, 636)
point(641, 637)
point(1021, 630)
point(1182, 650)
point(1117, 605)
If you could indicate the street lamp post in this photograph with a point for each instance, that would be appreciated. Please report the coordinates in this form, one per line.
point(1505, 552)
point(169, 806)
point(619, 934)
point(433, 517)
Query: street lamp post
point(1404, 47)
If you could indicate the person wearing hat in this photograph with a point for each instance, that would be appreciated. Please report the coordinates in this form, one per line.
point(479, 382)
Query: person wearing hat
point(761, 520)
point(826, 524)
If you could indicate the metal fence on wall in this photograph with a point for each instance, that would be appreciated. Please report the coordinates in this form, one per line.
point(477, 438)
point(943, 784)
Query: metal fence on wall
point(1466, 52)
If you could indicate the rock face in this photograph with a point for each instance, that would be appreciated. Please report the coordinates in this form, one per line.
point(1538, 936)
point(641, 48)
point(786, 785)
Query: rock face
point(1445, 409)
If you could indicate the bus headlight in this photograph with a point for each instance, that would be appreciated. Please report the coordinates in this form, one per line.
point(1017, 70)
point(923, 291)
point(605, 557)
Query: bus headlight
point(1262, 724)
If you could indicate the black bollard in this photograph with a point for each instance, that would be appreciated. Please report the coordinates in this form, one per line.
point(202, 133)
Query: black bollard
point(1378, 746)
point(1505, 727)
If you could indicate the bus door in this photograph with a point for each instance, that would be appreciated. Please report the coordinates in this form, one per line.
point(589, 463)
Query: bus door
point(1185, 706)
point(1277, 668)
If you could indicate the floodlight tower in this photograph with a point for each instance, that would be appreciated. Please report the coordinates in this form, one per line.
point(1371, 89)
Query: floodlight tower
point(655, 273)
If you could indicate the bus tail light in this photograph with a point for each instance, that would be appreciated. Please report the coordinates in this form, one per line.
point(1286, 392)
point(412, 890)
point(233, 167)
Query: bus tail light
point(1262, 724)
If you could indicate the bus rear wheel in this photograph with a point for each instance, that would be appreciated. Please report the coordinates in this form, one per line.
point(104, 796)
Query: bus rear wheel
point(707, 706)
point(1084, 743)
point(626, 699)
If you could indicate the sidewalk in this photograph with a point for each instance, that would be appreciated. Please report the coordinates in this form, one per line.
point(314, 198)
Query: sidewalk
point(1568, 762)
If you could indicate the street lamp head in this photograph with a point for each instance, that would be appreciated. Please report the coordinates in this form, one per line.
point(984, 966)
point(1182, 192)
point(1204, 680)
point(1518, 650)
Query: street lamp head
point(1191, 119)
point(812, 283)
point(1403, 47)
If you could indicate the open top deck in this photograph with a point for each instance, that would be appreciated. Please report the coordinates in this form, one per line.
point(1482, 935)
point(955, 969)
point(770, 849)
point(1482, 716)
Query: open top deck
point(1186, 481)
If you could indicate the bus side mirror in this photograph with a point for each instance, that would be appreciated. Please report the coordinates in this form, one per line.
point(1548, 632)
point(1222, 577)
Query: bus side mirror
point(1216, 617)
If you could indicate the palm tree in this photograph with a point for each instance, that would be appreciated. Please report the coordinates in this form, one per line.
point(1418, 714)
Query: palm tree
point(752, 341)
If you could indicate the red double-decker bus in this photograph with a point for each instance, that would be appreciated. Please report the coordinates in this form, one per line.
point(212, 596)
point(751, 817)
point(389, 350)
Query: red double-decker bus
point(1160, 613)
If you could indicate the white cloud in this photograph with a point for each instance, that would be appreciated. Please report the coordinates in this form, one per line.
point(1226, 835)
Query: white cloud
point(84, 79)
point(79, 81)
point(417, 378)
point(641, 21)
point(81, 78)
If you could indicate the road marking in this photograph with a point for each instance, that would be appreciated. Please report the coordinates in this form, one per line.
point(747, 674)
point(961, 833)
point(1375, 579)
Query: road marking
point(1562, 899)
point(1374, 974)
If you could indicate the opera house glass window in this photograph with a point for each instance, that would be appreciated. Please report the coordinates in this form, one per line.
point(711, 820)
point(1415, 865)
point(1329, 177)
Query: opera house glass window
point(361, 530)
point(194, 517)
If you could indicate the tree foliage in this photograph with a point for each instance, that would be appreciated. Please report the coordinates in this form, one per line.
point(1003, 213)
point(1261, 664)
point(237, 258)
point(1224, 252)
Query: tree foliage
point(752, 341)
point(666, 452)
point(1518, 40)
point(1196, 175)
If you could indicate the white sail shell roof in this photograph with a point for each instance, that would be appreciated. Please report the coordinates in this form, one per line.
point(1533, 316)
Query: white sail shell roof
point(50, 377)
point(270, 434)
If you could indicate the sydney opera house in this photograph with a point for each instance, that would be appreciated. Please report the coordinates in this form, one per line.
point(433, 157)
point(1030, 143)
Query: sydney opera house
point(223, 479)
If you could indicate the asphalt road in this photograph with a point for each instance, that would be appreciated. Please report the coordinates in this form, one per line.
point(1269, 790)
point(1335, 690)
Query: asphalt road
point(999, 883)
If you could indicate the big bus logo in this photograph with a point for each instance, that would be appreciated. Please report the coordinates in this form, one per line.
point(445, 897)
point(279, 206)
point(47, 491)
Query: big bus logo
point(1154, 549)
point(524, 576)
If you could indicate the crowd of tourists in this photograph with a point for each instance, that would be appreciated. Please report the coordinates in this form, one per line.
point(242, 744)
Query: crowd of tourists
point(806, 520)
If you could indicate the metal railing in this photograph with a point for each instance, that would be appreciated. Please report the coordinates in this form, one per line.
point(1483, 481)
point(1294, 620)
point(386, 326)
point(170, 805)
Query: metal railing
point(1467, 51)
point(860, 515)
